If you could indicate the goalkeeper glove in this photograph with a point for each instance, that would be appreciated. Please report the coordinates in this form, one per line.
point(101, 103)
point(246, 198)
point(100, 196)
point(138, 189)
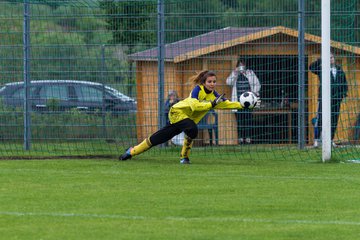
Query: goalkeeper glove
point(218, 100)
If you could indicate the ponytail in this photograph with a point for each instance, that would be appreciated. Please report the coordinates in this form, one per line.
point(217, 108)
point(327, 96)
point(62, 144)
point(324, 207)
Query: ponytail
point(201, 77)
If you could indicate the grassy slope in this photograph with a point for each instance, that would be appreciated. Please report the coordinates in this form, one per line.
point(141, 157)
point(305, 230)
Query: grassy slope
point(156, 198)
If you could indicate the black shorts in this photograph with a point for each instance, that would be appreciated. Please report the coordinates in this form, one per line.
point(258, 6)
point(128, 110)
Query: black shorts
point(163, 135)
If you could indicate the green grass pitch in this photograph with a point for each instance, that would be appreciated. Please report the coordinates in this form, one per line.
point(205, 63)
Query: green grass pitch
point(154, 197)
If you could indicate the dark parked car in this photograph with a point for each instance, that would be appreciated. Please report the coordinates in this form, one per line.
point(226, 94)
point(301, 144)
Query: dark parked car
point(62, 95)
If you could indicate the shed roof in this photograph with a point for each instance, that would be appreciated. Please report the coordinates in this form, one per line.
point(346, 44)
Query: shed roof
point(224, 38)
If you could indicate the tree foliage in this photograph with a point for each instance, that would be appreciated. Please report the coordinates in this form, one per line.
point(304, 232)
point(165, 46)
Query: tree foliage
point(134, 22)
point(66, 43)
point(68, 37)
point(130, 22)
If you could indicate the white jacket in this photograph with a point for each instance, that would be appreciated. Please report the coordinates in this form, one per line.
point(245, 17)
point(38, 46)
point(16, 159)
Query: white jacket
point(253, 82)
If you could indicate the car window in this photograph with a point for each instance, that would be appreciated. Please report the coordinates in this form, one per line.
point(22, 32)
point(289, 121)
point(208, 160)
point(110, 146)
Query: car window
point(120, 95)
point(20, 93)
point(58, 92)
point(89, 94)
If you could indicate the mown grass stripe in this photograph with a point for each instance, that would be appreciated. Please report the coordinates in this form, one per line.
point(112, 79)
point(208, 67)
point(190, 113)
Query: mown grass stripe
point(178, 218)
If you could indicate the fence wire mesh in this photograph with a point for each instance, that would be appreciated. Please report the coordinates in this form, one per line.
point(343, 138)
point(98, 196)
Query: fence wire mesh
point(94, 72)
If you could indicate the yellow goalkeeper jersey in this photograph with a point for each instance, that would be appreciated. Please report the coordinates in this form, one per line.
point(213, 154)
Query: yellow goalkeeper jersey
point(197, 105)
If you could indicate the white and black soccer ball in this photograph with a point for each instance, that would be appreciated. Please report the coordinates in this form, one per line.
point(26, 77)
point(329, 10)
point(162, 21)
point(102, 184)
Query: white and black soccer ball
point(248, 100)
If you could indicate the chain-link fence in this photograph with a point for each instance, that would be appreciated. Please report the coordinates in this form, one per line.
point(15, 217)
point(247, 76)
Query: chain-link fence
point(87, 78)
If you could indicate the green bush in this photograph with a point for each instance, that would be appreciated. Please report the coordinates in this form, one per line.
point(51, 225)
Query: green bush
point(67, 125)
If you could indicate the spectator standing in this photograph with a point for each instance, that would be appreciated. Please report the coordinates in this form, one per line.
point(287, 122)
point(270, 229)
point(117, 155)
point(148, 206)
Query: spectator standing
point(243, 80)
point(339, 90)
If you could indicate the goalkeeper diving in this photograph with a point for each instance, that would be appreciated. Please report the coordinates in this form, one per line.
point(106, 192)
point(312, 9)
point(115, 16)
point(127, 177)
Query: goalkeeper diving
point(185, 115)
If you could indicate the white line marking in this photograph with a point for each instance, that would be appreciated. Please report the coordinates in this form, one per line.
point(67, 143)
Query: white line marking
point(180, 219)
point(214, 174)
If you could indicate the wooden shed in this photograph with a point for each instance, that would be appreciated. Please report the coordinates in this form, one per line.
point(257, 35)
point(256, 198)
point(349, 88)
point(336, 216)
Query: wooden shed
point(272, 52)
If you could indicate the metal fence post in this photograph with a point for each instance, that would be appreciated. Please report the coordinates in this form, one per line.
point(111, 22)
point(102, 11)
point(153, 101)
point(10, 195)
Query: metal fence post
point(103, 107)
point(26, 52)
point(161, 60)
point(301, 86)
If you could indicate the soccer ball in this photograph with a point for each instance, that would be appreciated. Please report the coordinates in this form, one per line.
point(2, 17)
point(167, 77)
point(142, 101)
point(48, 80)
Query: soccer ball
point(248, 100)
